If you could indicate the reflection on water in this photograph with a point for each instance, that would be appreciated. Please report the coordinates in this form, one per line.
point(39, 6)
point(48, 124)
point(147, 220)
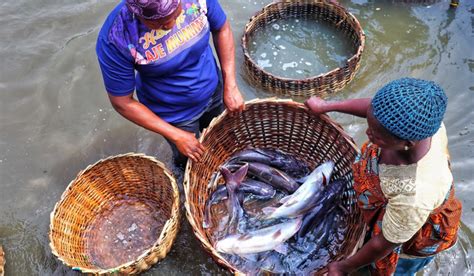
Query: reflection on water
point(55, 118)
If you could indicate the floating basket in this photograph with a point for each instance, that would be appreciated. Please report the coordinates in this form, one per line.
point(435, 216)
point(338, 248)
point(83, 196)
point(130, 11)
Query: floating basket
point(271, 123)
point(322, 84)
point(119, 215)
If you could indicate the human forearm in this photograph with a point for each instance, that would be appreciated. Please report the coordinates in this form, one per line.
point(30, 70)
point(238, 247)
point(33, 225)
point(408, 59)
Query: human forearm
point(139, 114)
point(377, 248)
point(224, 43)
point(356, 107)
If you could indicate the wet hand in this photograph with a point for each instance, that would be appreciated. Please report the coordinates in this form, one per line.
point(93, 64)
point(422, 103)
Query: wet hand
point(189, 146)
point(233, 99)
point(316, 104)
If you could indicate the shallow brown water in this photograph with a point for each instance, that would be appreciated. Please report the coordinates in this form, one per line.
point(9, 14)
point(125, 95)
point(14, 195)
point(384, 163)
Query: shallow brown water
point(55, 118)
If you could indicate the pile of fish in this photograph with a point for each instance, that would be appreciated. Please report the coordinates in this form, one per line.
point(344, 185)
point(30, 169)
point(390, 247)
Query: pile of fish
point(275, 216)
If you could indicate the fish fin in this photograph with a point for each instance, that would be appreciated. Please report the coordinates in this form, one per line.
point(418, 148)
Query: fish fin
point(262, 152)
point(276, 234)
point(226, 173)
point(281, 248)
point(285, 199)
point(250, 257)
point(281, 174)
point(269, 210)
point(240, 174)
point(325, 182)
point(244, 237)
point(301, 180)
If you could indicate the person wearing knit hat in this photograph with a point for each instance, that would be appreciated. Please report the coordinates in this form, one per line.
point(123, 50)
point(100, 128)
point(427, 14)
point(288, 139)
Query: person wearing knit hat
point(402, 178)
point(160, 50)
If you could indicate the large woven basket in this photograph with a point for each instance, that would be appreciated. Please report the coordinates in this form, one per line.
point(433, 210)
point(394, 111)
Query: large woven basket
point(123, 181)
point(271, 123)
point(322, 84)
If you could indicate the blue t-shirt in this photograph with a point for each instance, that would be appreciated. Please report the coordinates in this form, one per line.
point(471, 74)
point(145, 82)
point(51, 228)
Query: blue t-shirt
point(176, 72)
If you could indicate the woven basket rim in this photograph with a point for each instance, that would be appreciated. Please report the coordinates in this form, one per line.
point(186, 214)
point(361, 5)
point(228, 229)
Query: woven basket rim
point(175, 213)
point(260, 13)
point(205, 243)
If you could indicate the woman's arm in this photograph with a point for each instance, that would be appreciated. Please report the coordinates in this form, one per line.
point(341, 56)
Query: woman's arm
point(138, 113)
point(377, 248)
point(224, 43)
point(356, 107)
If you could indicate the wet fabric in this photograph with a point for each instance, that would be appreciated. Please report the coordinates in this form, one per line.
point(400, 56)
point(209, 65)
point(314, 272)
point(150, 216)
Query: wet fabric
point(437, 234)
point(173, 72)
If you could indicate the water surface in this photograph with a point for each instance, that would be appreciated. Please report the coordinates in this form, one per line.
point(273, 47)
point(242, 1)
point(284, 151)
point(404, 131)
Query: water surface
point(55, 118)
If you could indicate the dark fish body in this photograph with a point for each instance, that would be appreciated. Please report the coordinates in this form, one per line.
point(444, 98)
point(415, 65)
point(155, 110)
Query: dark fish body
point(257, 188)
point(274, 158)
point(273, 177)
point(232, 182)
point(327, 203)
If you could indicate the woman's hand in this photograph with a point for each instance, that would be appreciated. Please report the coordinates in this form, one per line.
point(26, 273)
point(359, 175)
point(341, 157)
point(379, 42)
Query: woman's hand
point(317, 105)
point(336, 269)
point(233, 99)
point(188, 145)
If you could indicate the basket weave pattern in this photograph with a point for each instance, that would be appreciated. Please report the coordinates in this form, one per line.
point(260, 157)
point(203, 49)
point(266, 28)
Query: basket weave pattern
point(271, 123)
point(115, 179)
point(322, 84)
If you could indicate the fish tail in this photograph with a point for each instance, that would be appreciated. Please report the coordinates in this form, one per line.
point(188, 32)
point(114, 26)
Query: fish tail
point(234, 179)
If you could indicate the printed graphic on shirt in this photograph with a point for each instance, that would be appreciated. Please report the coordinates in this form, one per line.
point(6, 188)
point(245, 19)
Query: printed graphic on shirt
point(157, 46)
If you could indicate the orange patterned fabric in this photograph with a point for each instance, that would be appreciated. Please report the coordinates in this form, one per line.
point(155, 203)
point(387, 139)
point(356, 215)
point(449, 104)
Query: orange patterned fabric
point(437, 234)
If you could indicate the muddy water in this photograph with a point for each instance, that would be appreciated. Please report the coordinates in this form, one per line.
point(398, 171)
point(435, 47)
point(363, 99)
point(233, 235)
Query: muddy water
point(55, 118)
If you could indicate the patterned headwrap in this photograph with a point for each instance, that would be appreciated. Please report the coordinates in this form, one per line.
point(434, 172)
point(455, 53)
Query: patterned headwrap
point(411, 109)
point(152, 9)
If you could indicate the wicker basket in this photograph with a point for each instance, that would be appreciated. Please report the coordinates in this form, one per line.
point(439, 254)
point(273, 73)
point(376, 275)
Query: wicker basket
point(322, 84)
point(271, 123)
point(124, 189)
point(2, 261)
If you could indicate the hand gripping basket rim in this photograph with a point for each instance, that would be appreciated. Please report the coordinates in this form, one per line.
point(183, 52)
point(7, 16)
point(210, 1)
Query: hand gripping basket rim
point(334, 75)
point(205, 243)
point(169, 231)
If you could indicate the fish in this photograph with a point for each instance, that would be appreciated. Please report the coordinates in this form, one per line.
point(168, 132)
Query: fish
point(273, 177)
point(328, 202)
point(275, 158)
point(260, 240)
point(257, 188)
point(305, 198)
point(232, 182)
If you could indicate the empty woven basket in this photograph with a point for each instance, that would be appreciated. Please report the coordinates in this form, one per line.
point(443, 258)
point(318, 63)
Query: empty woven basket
point(120, 214)
point(271, 123)
point(322, 84)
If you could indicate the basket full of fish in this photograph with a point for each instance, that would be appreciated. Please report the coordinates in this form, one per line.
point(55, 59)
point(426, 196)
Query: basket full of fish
point(273, 193)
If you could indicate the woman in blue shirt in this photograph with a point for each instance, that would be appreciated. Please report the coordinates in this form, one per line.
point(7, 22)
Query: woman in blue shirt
point(161, 50)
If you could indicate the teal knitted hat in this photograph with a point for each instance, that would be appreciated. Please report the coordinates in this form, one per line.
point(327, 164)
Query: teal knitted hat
point(411, 109)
